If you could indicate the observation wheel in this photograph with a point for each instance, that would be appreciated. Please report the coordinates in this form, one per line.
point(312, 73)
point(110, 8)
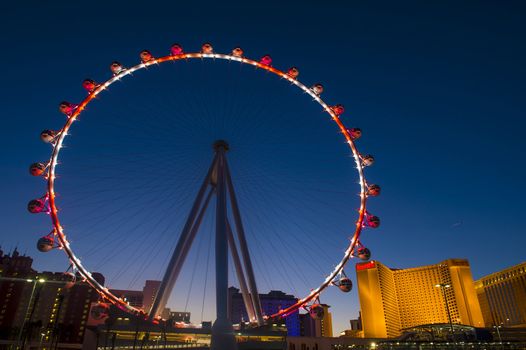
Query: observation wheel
point(59, 236)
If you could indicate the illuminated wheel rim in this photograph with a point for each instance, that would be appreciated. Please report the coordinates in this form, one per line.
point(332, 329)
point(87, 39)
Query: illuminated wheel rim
point(105, 292)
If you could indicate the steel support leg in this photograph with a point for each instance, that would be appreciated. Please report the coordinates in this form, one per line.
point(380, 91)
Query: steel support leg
point(244, 248)
point(176, 262)
point(240, 275)
point(184, 253)
point(222, 332)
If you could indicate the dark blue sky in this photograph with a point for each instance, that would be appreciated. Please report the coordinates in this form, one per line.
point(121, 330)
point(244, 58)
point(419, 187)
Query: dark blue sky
point(437, 87)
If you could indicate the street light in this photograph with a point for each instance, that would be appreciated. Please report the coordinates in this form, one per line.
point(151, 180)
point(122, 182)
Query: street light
point(35, 282)
point(42, 335)
point(443, 286)
point(498, 333)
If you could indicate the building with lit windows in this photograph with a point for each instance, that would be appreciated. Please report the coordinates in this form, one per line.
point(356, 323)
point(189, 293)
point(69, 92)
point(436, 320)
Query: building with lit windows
point(47, 307)
point(271, 303)
point(396, 299)
point(502, 297)
point(61, 308)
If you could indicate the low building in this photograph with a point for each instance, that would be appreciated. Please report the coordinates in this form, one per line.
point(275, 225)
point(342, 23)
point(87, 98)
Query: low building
point(356, 324)
point(502, 297)
point(356, 330)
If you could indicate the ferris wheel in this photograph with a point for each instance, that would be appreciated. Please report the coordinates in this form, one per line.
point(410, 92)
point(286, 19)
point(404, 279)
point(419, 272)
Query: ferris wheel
point(218, 182)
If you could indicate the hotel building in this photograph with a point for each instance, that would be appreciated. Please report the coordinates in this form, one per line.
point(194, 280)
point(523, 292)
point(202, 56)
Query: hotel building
point(395, 299)
point(502, 297)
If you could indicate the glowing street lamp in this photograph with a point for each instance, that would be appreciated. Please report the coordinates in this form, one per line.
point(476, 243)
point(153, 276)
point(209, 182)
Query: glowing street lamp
point(29, 304)
point(443, 286)
point(42, 335)
point(498, 333)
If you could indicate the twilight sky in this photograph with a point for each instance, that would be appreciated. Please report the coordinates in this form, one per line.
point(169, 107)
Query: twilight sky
point(437, 88)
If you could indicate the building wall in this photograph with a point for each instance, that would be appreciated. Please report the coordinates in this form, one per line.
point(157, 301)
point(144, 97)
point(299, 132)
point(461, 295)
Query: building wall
point(390, 298)
point(502, 296)
point(14, 301)
point(484, 304)
point(307, 326)
point(326, 322)
point(466, 301)
point(394, 299)
point(417, 301)
point(377, 296)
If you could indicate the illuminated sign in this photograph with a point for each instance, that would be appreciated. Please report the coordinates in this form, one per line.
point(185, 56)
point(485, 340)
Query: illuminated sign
point(365, 266)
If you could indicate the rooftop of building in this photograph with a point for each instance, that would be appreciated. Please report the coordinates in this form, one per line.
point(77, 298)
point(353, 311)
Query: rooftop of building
point(447, 262)
point(126, 291)
point(273, 294)
point(503, 274)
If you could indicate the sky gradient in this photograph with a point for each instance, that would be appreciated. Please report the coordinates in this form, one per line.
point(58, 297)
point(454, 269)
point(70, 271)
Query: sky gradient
point(437, 88)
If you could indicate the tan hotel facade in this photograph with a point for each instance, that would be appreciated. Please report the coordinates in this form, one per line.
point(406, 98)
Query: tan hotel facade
point(394, 299)
point(502, 297)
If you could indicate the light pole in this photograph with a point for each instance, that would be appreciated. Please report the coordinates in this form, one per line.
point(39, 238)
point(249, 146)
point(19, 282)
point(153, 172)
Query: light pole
point(29, 303)
point(443, 286)
point(42, 335)
point(498, 333)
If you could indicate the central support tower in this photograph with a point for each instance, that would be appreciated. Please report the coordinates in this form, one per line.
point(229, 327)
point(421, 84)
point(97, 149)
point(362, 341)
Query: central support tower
point(217, 182)
point(222, 331)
